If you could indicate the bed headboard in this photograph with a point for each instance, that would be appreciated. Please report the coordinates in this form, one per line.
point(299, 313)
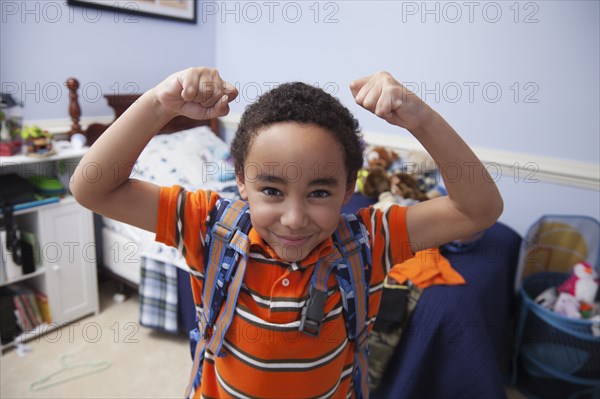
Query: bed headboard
point(119, 103)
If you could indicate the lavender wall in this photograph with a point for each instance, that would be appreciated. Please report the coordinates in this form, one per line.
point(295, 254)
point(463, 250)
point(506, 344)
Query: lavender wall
point(42, 43)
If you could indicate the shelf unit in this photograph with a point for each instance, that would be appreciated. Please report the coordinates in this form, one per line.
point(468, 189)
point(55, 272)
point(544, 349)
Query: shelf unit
point(69, 153)
point(65, 247)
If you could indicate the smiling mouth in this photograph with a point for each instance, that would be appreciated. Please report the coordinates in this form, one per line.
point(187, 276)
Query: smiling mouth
point(295, 241)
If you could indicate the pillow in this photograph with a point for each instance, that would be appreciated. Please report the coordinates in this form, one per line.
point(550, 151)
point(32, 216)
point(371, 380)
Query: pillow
point(193, 158)
point(206, 158)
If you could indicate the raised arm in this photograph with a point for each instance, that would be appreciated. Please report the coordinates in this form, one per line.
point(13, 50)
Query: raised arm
point(473, 202)
point(102, 182)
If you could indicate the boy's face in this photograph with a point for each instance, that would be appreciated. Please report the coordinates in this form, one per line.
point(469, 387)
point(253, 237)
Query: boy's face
point(295, 182)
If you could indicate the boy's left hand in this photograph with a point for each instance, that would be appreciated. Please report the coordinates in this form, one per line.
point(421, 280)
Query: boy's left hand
point(390, 100)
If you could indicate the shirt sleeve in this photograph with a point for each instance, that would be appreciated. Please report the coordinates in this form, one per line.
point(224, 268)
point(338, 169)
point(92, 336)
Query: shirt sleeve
point(388, 237)
point(182, 222)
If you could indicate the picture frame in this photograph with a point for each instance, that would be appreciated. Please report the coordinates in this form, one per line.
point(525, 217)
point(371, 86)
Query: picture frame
point(178, 10)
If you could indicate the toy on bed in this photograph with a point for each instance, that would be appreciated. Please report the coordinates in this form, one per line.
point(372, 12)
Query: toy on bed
point(390, 179)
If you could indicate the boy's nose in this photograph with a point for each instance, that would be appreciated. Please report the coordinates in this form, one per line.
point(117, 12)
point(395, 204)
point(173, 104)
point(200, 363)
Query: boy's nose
point(294, 217)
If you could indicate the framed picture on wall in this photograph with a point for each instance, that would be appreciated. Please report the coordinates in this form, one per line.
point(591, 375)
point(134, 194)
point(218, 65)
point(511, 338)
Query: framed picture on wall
point(180, 10)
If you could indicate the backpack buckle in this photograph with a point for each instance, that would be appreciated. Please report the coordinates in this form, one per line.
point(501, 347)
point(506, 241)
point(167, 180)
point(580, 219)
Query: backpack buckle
point(224, 232)
point(312, 313)
point(350, 246)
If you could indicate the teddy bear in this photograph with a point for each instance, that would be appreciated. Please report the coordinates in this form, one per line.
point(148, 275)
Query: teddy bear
point(375, 182)
point(373, 179)
point(382, 157)
point(406, 186)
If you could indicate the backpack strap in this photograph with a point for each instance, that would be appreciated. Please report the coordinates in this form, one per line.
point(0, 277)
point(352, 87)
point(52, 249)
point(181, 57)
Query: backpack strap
point(198, 347)
point(354, 275)
point(225, 258)
point(228, 246)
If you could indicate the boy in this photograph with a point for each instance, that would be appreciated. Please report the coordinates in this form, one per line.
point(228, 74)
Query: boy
point(297, 154)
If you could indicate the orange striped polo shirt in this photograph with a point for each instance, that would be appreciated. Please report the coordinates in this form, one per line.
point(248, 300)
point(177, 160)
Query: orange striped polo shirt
point(267, 357)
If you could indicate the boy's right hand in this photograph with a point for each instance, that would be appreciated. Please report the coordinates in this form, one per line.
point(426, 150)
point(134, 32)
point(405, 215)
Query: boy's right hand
point(198, 93)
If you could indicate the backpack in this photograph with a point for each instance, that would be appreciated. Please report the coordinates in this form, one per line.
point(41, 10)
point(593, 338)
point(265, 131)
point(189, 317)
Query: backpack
point(225, 258)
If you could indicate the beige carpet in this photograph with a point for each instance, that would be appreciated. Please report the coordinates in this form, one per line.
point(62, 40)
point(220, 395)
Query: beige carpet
point(123, 359)
point(117, 358)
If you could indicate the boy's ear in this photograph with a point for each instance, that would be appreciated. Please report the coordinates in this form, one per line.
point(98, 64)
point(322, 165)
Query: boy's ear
point(239, 180)
point(350, 188)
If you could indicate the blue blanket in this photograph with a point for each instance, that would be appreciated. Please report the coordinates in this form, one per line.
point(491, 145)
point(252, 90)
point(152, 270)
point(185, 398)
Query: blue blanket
point(457, 342)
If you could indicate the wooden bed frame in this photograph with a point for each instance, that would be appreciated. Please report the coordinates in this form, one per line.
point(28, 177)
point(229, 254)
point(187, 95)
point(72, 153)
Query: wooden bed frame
point(119, 103)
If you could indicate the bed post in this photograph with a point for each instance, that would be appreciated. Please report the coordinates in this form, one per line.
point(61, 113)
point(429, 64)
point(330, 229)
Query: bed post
point(119, 103)
point(74, 108)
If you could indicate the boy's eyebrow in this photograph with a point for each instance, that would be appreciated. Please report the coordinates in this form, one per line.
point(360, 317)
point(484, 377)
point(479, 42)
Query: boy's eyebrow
point(266, 178)
point(323, 181)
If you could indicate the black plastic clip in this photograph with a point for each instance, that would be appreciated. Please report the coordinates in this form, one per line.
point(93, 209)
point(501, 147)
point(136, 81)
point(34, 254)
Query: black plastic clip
point(312, 313)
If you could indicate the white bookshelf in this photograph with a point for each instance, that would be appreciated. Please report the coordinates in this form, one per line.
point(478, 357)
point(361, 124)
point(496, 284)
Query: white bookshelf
point(66, 266)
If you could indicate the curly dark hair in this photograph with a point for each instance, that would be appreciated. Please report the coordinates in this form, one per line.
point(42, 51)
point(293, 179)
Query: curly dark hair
point(305, 104)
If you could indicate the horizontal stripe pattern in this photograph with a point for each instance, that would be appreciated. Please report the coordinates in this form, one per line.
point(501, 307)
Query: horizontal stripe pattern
point(265, 354)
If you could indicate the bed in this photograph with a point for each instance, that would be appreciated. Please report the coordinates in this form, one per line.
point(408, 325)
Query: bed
point(457, 342)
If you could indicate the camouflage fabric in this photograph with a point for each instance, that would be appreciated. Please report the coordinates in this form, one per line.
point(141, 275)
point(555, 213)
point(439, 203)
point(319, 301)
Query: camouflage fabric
point(383, 343)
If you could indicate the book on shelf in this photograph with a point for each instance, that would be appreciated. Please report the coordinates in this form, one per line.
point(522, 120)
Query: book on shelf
point(21, 313)
point(32, 308)
point(44, 306)
point(29, 308)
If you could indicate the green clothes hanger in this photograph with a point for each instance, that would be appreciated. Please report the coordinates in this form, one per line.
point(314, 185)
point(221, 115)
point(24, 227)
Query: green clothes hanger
point(69, 372)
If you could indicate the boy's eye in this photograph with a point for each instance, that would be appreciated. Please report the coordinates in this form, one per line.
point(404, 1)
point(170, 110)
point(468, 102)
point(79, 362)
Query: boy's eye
point(271, 192)
point(320, 194)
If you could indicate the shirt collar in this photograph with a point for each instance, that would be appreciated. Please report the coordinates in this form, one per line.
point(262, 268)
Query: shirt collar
point(320, 251)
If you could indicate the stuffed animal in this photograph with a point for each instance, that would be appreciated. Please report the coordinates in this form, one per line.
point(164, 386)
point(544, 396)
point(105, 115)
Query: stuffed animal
point(420, 163)
point(376, 182)
point(382, 157)
point(405, 182)
point(406, 186)
point(582, 284)
point(373, 179)
point(567, 305)
point(547, 298)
